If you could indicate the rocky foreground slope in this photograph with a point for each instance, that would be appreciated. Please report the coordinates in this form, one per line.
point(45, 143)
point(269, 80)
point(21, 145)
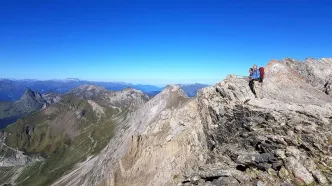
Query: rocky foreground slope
point(225, 136)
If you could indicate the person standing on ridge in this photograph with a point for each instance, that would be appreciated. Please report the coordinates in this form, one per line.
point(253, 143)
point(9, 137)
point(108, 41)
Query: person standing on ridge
point(256, 78)
point(251, 81)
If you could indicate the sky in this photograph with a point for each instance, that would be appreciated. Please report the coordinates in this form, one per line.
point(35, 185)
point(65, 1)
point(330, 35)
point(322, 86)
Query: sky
point(157, 41)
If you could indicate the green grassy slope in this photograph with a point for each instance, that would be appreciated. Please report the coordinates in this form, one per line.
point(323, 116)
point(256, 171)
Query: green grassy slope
point(60, 150)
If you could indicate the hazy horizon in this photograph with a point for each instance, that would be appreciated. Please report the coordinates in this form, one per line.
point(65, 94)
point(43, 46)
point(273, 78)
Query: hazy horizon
point(105, 81)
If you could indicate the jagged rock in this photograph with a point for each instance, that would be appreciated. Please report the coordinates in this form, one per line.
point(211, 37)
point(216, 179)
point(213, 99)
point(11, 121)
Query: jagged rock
point(283, 173)
point(295, 152)
point(195, 179)
point(272, 172)
point(317, 72)
point(240, 176)
point(309, 164)
point(260, 183)
point(328, 85)
point(280, 153)
point(321, 179)
point(225, 181)
point(208, 184)
point(286, 184)
point(213, 173)
point(261, 161)
point(299, 170)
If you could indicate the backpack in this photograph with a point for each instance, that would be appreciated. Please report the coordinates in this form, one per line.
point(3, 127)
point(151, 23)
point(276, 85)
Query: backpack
point(261, 71)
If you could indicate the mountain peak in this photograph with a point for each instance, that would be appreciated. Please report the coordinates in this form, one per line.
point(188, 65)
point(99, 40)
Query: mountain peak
point(31, 94)
point(173, 87)
point(28, 92)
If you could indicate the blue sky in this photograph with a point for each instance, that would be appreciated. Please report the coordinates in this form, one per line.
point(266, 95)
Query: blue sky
point(157, 41)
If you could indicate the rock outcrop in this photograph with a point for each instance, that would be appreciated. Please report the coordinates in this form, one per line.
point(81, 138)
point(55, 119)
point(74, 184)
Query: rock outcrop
point(282, 138)
point(317, 72)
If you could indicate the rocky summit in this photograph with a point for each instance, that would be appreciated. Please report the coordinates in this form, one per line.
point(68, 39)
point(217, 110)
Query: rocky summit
point(223, 136)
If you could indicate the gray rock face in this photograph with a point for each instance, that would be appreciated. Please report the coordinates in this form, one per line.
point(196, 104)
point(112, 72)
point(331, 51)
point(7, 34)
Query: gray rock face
point(260, 183)
point(226, 181)
point(30, 101)
point(299, 170)
point(288, 122)
point(262, 161)
point(317, 72)
point(224, 136)
point(321, 179)
point(10, 157)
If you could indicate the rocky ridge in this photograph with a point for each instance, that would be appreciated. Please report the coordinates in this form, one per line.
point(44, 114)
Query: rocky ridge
point(280, 139)
point(127, 132)
point(225, 136)
point(317, 72)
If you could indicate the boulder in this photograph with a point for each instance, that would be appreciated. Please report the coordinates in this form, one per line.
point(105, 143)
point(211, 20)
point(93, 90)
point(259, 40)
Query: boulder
point(299, 171)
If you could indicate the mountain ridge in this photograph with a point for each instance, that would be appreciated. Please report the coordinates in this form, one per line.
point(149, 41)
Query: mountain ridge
point(223, 139)
point(12, 90)
point(68, 132)
point(223, 136)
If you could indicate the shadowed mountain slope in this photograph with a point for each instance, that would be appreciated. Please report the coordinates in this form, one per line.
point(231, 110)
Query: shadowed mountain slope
point(29, 102)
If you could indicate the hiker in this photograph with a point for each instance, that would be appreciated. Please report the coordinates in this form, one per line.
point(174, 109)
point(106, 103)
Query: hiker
point(256, 78)
point(251, 81)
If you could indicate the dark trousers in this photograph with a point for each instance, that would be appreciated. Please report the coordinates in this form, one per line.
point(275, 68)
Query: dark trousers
point(251, 85)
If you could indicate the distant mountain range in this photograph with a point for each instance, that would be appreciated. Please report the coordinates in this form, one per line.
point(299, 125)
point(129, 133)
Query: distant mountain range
point(22, 97)
point(191, 89)
point(12, 90)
